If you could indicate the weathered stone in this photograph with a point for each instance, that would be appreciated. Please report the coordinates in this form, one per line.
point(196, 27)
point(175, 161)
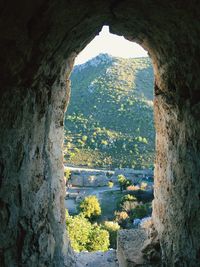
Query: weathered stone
point(89, 177)
point(129, 247)
point(96, 259)
point(151, 248)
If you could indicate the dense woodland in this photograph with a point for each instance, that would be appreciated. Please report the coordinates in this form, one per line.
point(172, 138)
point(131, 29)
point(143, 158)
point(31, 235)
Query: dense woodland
point(109, 121)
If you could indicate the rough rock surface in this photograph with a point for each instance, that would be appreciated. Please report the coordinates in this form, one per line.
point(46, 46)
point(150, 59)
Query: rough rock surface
point(90, 179)
point(38, 42)
point(129, 247)
point(96, 259)
point(93, 178)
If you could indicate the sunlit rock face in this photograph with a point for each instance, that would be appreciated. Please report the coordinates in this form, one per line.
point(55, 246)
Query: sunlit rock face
point(38, 42)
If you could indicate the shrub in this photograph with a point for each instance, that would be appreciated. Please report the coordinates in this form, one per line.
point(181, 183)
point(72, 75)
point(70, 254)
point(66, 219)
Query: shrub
point(67, 174)
point(112, 228)
point(140, 211)
point(110, 184)
point(84, 236)
point(79, 229)
point(123, 182)
point(128, 197)
point(122, 218)
point(128, 206)
point(128, 183)
point(133, 188)
point(90, 207)
point(143, 186)
point(98, 239)
point(84, 138)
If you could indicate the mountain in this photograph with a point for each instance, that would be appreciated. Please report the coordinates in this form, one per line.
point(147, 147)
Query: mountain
point(109, 121)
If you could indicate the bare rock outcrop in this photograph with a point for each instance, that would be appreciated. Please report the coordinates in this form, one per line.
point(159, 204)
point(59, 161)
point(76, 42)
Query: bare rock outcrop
point(129, 247)
point(138, 248)
point(96, 259)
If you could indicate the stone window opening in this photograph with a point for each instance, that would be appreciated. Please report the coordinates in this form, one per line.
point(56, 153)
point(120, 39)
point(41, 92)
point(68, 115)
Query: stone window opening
point(80, 177)
point(39, 42)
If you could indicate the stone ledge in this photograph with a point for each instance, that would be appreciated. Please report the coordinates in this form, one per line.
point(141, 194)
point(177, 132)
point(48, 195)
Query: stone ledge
point(129, 247)
point(97, 259)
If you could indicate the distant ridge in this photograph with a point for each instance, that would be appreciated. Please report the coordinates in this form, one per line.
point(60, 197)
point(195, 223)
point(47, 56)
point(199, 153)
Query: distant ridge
point(106, 55)
point(109, 121)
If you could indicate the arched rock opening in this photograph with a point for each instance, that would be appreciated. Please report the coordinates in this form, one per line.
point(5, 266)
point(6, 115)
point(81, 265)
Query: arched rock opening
point(38, 43)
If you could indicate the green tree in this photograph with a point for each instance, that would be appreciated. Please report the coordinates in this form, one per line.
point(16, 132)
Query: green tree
point(79, 229)
point(110, 184)
point(84, 138)
point(98, 239)
point(123, 182)
point(122, 218)
point(67, 174)
point(112, 228)
point(84, 236)
point(143, 186)
point(90, 207)
point(140, 211)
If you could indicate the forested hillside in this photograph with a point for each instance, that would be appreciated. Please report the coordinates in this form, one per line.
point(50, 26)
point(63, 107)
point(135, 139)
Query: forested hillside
point(109, 121)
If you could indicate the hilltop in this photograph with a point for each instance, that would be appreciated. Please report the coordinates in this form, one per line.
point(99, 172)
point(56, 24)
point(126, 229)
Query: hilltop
point(109, 121)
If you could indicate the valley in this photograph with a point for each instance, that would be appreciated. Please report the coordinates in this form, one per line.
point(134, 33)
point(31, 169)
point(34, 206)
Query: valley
point(109, 150)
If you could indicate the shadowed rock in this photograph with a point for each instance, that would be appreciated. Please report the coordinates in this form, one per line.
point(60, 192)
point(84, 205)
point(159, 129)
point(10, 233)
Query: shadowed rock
point(38, 43)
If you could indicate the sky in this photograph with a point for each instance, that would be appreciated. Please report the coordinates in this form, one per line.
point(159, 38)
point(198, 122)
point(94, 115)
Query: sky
point(111, 44)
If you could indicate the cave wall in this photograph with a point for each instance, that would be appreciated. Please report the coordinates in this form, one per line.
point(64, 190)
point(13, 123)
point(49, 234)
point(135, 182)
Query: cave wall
point(36, 58)
point(32, 185)
point(38, 43)
point(176, 212)
point(169, 35)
